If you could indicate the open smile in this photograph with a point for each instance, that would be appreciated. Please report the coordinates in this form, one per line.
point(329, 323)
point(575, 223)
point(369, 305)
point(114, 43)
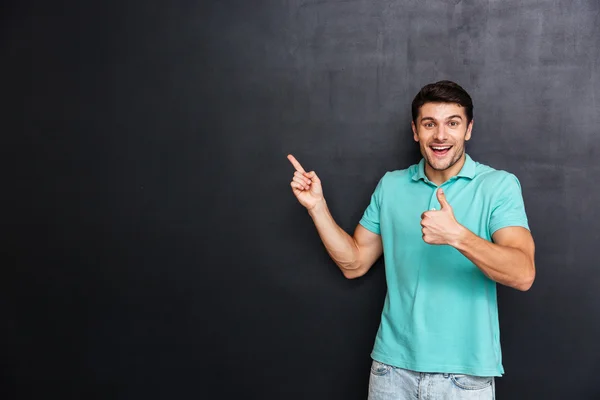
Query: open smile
point(441, 150)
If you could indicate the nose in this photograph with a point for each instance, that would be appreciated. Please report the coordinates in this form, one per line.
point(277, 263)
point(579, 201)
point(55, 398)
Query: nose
point(440, 133)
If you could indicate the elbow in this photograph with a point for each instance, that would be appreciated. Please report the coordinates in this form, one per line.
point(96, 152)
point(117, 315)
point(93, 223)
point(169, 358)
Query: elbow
point(352, 269)
point(526, 280)
point(353, 273)
point(524, 286)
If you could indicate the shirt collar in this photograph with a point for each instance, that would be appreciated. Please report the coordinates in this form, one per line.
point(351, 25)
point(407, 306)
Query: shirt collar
point(467, 171)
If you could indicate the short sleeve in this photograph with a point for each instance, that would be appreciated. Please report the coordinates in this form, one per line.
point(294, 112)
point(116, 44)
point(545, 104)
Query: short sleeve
point(508, 208)
point(370, 218)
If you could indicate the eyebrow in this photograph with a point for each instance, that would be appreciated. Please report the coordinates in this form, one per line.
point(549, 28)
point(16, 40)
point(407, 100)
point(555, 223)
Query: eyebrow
point(433, 119)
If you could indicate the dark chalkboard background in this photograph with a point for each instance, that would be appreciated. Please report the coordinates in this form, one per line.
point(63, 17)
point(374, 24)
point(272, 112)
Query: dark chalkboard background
point(151, 245)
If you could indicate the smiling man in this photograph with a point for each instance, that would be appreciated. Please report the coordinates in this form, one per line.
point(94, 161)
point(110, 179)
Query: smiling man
point(449, 229)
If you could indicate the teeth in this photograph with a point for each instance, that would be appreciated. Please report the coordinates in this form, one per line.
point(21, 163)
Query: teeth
point(440, 148)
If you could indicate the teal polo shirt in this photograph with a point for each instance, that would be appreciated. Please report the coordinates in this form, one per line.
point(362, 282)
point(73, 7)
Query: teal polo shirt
point(440, 312)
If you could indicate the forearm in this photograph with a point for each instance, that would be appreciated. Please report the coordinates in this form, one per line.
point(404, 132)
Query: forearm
point(506, 265)
point(339, 244)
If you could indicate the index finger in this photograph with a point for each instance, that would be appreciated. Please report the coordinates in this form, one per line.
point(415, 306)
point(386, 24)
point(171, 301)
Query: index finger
point(296, 164)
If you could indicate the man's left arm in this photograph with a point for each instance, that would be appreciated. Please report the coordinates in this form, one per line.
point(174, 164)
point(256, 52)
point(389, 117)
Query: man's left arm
point(509, 260)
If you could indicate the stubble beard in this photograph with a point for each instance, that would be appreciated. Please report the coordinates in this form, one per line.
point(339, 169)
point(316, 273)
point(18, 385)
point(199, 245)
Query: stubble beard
point(448, 164)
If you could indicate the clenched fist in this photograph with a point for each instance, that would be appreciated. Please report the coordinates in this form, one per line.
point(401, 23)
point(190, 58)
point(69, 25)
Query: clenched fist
point(440, 227)
point(306, 186)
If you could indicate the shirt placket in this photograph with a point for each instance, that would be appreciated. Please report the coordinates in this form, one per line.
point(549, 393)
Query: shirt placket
point(434, 204)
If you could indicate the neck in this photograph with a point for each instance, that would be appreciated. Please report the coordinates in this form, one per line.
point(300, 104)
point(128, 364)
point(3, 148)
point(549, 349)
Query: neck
point(439, 177)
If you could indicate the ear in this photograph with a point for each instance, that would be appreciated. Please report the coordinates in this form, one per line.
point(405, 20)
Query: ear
point(469, 129)
point(414, 129)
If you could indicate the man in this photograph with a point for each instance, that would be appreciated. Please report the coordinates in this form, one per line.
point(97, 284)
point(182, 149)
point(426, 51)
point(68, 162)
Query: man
point(449, 229)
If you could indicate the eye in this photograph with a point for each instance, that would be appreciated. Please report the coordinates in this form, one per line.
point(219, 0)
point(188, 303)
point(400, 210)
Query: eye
point(429, 125)
point(453, 123)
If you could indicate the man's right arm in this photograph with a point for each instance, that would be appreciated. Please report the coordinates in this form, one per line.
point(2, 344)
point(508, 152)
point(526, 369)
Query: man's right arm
point(354, 255)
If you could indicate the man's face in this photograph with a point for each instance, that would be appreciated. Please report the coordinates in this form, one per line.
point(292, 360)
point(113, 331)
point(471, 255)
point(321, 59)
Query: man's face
point(441, 130)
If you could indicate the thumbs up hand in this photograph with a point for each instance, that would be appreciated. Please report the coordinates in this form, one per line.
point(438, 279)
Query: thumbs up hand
point(440, 227)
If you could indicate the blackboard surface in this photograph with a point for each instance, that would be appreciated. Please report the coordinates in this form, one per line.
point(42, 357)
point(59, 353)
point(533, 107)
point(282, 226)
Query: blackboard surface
point(152, 246)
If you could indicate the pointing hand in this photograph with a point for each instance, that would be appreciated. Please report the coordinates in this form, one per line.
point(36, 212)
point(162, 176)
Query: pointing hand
point(306, 186)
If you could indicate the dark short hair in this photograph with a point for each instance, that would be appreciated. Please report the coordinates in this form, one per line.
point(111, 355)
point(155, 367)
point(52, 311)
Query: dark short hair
point(443, 92)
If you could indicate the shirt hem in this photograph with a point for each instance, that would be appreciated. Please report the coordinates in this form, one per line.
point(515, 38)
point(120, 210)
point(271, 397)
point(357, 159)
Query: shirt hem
point(437, 368)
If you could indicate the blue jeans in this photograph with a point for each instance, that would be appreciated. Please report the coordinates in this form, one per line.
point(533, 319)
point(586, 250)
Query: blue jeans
point(393, 383)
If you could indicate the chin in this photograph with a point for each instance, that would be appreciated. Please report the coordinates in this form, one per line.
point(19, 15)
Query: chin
point(440, 167)
point(444, 164)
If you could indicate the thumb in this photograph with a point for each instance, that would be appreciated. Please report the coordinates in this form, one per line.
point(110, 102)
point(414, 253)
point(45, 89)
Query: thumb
point(442, 199)
point(313, 176)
